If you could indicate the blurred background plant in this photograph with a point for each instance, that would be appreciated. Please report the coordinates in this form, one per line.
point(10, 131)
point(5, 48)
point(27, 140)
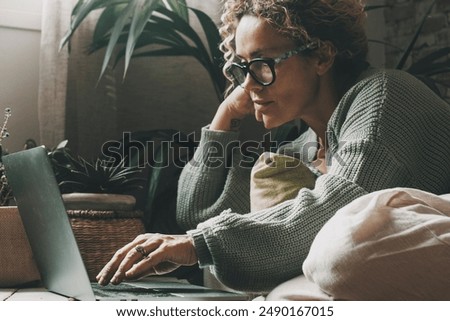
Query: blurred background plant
point(5, 190)
point(148, 28)
point(430, 64)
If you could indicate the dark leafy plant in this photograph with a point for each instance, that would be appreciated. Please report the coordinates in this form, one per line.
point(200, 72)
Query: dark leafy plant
point(433, 64)
point(428, 66)
point(75, 174)
point(146, 28)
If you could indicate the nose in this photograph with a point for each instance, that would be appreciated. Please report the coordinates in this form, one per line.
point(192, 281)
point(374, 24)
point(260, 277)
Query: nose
point(250, 84)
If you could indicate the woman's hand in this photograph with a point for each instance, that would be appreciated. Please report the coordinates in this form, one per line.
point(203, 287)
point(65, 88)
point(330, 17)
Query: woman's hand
point(232, 110)
point(148, 254)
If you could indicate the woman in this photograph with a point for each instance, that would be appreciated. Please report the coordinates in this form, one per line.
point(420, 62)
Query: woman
point(295, 59)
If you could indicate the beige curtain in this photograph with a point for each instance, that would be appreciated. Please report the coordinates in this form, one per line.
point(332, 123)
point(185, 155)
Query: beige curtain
point(156, 92)
point(71, 105)
point(53, 72)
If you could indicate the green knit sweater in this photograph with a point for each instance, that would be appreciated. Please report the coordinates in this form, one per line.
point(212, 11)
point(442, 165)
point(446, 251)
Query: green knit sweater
point(389, 130)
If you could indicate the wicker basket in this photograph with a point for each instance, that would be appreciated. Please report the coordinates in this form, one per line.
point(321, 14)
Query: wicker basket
point(100, 234)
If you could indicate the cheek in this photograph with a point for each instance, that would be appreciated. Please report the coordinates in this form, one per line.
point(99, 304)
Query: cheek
point(299, 92)
point(291, 98)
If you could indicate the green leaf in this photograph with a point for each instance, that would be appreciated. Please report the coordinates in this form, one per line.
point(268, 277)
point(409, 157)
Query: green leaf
point(180, 8)
point(103, 42)
point(384, 43)
point(178, 24)
point(128, 22)
point(106, 21)
point(213, 38)
point(157, 35)
point(185, 29)
point(162, 33)
point(425, 63)
point(437, 70)
point(81, 10)
point(142, 13)
point(123, 19)
point(433, 69)
point(173, 51)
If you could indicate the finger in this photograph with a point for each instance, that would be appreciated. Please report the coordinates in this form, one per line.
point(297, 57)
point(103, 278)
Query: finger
point(108, 271)
point(133, 257)
point(155, 263)
point(162, 268)
point(170, 254)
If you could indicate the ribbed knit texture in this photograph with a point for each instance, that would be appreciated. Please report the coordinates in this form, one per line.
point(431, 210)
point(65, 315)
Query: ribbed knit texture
point(389, 130)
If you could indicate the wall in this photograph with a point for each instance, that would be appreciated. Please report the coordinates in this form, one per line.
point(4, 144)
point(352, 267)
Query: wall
point(20, 23)
point(402, 21)
point(375, 33)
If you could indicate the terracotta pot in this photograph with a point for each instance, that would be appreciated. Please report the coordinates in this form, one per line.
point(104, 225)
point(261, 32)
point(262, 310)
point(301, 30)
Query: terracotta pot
point(18, 266)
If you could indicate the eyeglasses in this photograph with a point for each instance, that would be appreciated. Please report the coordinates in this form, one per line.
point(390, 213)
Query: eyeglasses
point(262, 70)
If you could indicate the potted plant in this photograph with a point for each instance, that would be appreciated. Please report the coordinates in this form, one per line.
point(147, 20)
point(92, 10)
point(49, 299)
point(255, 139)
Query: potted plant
point(18, 266)
point(136, 26)
point(100, 200)
point(101, 184)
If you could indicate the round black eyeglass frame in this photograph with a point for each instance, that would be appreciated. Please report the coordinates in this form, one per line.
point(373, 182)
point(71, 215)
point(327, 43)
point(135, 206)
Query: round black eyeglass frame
point(271, 62)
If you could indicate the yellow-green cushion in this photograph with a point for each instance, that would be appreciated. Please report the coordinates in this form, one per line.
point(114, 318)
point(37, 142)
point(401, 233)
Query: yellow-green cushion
point(276, 178)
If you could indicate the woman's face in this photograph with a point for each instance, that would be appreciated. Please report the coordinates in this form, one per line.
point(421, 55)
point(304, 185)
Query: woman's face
point(295, 92)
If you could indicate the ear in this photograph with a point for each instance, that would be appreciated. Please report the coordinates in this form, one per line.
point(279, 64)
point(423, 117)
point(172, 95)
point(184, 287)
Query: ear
point(325, 54)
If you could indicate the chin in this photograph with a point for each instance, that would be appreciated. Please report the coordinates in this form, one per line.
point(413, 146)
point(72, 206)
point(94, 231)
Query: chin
point(272, 123)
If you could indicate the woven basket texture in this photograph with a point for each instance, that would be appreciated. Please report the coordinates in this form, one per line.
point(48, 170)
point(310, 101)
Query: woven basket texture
point(100, 234)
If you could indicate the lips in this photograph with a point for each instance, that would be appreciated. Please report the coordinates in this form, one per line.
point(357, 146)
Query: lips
point(262, 105)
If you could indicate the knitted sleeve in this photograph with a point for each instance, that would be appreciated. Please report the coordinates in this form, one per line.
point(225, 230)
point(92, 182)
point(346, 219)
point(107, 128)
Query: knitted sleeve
point(257, 251)
point(215, 180)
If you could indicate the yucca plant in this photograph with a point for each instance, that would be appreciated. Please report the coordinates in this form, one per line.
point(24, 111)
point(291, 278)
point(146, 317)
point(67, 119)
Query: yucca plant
point(75, 174)
point(136, 26)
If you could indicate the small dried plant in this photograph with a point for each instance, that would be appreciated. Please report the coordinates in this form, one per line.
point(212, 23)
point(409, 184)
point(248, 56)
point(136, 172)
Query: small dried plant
point(5, 189)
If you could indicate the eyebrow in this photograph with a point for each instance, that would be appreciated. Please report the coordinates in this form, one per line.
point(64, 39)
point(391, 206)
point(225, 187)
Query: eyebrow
point(257, 53)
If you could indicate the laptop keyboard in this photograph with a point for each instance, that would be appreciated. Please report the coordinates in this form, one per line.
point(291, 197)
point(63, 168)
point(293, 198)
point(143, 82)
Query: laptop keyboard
point(127, 292)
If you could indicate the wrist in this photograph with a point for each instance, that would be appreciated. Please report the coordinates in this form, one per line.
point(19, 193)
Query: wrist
point(226, 119)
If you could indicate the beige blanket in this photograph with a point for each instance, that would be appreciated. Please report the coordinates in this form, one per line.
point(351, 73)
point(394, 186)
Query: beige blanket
point(388, 245)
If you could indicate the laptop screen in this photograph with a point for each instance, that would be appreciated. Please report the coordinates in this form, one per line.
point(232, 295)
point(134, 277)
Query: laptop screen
point(46, 223)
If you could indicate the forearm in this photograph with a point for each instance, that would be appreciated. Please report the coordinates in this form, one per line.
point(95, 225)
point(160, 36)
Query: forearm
point(213, 181)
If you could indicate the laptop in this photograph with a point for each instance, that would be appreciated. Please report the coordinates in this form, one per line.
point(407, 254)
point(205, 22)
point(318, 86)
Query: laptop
point(55, 250)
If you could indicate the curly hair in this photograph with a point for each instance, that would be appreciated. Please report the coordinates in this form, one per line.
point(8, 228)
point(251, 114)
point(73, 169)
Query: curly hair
point(337, 22)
